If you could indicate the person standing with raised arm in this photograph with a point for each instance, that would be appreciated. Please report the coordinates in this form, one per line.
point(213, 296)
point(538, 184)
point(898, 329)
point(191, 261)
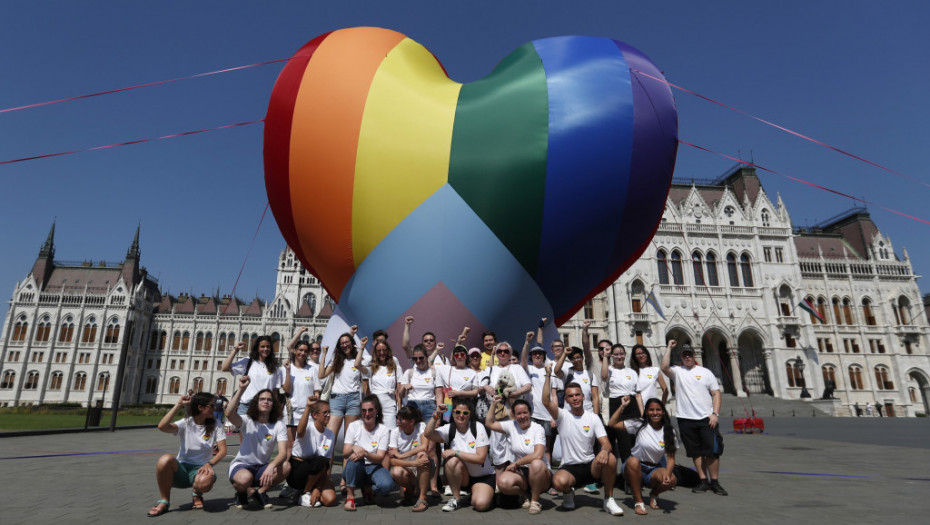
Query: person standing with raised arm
point(697, 394)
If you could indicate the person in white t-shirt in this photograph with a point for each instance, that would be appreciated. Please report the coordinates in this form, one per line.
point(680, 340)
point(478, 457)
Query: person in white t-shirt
point(345, 370)
point(527, 474)
point(194, 464)
point(578, 431)
point(310, 454)
point(697, 395)
point(536, 370)
point(652, 461)
point(650, 377)
point(262, 367)
point(301, 382)
point(466, 455)
point(261, 427)
point(410, 458)
point(364, 450)
point(383, 372)
point(620, 382)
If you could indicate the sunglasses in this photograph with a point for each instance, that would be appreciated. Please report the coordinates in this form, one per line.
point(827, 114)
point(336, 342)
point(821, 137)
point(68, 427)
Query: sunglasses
point(418, 359)
point(265, 400)
point(429, 340)
point(461, 412)
point(503, 352)
point(367, 410)
point(459, 353)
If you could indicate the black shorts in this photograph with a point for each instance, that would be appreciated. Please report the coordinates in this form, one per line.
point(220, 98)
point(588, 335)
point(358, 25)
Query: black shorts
point(699, 439)
point(488, 480)
point(581, 472)
point(301, 470)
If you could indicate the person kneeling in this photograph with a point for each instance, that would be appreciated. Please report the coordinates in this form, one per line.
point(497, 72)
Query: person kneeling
point(366, 445)
point(311, 455)
point(409, 458)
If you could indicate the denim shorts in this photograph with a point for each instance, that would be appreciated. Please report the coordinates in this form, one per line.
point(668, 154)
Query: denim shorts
point(341, 405)
point(646, 470)
point(426, 408)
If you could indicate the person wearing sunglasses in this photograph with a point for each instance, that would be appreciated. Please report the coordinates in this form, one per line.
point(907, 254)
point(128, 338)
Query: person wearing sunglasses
point(500, 448)
point(364, 450)
point(527, 473)
point(310, 457)
point(261, 427)
point(621, 382)
point(410, 457)
point(466, 455)
point(428, 340)
point(194, 465)
point(419, 382)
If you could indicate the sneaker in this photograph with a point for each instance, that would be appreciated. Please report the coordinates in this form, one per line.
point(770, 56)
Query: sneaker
point(305, 499)
point(260, 499)
point(704, 486)
point(448, 491)
point(288, 493)
point(568, 500)
point(451, 505)
point(591, 489)
point(718, 490)
point(611, 507)
point(242, 500)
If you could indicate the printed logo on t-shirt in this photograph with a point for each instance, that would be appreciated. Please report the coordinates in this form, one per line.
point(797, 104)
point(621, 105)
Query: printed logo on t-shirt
point(465, 378)
point(586, 428)
point(268, 437)
point(374, 444)
point(308, 378)
point(526, 441)
point(697, 377)
point(206, 437)
point(389, 374)
point(471, 444)
point(662, 444)
point(648, 376)
point(354, 369)
point(628, 377)
point(416, 443)
point(325, 447)
point(585, 380)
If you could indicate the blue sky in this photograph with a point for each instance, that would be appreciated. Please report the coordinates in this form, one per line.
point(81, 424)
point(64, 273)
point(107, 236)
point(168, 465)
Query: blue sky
point(851, 73)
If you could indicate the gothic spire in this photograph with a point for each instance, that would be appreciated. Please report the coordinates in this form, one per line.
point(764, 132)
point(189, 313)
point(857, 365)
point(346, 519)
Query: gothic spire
point(48, 249)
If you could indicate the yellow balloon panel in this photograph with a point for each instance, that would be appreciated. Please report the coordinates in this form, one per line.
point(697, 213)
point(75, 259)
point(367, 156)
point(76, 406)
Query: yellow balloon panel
point(404, 143)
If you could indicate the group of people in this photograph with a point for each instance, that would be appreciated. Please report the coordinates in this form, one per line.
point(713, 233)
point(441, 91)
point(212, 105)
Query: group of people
point(486, 417)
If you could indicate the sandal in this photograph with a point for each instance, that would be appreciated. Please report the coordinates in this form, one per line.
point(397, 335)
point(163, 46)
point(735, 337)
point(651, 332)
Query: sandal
point(349, 505)
point(535, 507)
point(526, 504)
point(654, 503)
point(640, 508)
point(198, 501)
point(421, 506)
point(154, 512)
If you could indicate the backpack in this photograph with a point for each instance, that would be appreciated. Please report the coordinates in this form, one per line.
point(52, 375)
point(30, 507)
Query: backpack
point(482, 401)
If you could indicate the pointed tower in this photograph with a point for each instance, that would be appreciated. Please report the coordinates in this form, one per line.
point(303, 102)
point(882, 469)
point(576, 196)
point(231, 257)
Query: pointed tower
point(44, 264)
point(131, 264)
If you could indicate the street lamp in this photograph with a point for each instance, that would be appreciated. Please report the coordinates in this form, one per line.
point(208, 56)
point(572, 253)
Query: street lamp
point(804, 393)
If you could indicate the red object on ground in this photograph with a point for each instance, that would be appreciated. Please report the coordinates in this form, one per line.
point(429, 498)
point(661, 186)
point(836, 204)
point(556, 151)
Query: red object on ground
point(748, 425)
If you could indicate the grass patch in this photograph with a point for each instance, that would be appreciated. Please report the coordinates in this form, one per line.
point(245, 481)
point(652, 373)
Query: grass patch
point(51, 417)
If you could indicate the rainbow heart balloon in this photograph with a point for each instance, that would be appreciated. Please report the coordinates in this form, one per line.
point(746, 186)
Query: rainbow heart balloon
point(488, 204)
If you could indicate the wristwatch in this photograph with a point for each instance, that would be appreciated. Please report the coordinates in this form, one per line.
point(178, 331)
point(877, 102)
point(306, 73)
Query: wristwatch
point(716, 414)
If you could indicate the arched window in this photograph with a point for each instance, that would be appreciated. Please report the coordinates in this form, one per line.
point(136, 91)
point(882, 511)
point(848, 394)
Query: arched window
point(89, 334)
point(855, 378)
point(32, 381)
point(311, 302)
point(153, 343)
point(103, 382)
point(66, 332)
point(112, 335)
point(80, 381)
point(275, 341)
point(836, 311)
point(198, 344)
point(151, 385)
point(174, 385)
point(662, 266)
point(176, 340)
point(881, 378)
point(221, 387)
point(678, 276)
point(847, 311)
point(208, 342)
point(867, 312)
point(711, 265)
point(747, 270)
point(247, 340)
point(198, 384)
point(765, 218)
point(9, 380)
point(20, 329)
point(731, 270)
point(55, 381)
point(793, 371)
point(186, 341)
point(822, 309)
point(829, 375)
point(697, 265)
point(43, 329)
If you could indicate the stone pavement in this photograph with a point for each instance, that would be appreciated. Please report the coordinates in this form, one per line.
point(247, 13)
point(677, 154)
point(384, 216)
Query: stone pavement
point(825, 470)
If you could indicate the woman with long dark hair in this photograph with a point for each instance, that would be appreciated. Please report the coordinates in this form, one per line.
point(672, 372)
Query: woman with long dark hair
point(652, 461)
point(410, 457)
point(382, 381)
point(194, 464)
point(621, 383)
point(366, 444)
point(650, 377)
point(252, 472)
point(261, 366)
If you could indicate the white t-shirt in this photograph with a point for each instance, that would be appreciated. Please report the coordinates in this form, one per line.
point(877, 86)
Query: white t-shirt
point(523, 442)
point(304, 382)
point(578, 434)
point(407, 442)
point(537, 378)
point(650, 444)
point(259, 441)
point(692, 392)
point(384, 381)
point(348, 380)
point(468, 443)
point(260, 378)
point(377, 439)
point(314, 443)
point(423, 383)
point(462, 379)
point(196, 444)
point(648, 382)
point(622, 382)
point(585, 380)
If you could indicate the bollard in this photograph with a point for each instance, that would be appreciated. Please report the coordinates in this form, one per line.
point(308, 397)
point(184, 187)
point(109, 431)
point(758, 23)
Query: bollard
point(773, 412)
point(792, 412)
point(813, 413)
point(731, 413)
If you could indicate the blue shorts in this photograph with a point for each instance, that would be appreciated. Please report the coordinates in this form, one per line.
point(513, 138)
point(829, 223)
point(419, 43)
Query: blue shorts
point(256, 470)
point(647, 470)
point(341, 405)
point(426, 408)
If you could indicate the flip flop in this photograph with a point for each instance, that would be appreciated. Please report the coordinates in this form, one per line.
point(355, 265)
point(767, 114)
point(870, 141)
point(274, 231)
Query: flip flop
point(640, 508)
point(350, 504)
point(654, 504)
point(535, 507)
point(155, 512)
point(197, 501)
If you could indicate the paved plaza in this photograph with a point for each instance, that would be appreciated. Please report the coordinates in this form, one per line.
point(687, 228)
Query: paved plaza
point(803, 470)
